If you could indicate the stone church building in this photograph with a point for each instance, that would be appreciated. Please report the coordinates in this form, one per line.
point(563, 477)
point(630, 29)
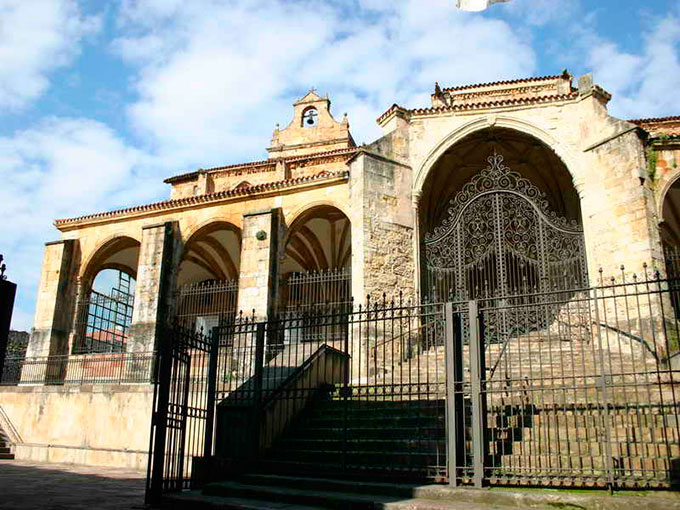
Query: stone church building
point(491, 188)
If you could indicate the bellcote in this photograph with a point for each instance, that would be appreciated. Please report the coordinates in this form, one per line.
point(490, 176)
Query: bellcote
point(313, 129)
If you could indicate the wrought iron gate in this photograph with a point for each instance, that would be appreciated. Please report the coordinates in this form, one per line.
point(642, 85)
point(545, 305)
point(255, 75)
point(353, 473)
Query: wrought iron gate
point(501, 237)
point(183, 408)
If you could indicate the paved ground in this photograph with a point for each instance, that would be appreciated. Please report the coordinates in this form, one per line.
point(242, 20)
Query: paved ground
point(33, 486)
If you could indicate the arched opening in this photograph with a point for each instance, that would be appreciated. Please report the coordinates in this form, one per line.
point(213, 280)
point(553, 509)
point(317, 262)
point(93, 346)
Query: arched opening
point(316, 269)
point(670, 239)
point(208, 275)
point(106, 303)
point(500, 216)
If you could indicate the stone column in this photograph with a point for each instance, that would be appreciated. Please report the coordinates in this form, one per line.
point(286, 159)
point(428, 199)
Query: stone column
point(156, 281)
point(54, 308)
point(55, 301)
point(260, 250)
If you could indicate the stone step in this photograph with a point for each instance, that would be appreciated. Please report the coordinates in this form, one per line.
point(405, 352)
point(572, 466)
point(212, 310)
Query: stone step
point(542, 461)
point(383, 408)
point(392, 472)
point(585, 449)
point(197, 500)
point(377, 420)
point(305, 493)
point(367, 432)
point(280, 497)
point(363, 457)
point(331, 484)
point(6, 456)
point(363, 445)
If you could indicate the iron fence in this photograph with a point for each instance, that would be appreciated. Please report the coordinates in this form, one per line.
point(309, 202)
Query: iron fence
point(301, 291)
point(113, 368)
point(205, 304)
point(570, 387)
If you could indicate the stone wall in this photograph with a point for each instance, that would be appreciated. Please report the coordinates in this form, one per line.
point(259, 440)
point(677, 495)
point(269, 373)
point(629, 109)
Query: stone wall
point(383, 236)
point(98, 425)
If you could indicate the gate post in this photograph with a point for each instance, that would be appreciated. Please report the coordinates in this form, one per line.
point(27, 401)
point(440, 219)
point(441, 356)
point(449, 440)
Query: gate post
point(454, 393)
point(159, 418)
point(477, 375)
point(258, 372)
point(212, 388)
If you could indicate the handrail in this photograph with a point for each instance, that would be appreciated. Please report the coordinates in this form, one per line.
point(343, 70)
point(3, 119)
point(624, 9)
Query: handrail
point(295, 374)
point(410, 331)
point(8, 427)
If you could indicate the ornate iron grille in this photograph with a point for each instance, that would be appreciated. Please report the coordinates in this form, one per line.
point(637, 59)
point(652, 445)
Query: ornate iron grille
point(501, 238)
point(105, 319)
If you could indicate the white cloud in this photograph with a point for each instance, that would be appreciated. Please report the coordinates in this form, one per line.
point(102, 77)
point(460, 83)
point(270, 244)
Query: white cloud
point(643, 84)
point(36, 37)
point(213, 77)
point(61, 168)
point(543, 12)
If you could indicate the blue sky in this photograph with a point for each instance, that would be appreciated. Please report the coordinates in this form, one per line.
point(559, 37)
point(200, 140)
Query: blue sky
point(99, 101)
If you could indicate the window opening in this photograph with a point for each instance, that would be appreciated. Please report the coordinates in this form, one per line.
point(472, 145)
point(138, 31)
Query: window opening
point(310, 117)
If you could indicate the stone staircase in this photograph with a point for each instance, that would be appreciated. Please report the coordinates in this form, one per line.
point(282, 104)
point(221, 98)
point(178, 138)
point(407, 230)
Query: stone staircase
point(385, 440)
point(5, 447)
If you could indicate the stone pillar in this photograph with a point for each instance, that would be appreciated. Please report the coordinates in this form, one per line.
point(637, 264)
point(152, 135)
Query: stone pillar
point(156, 280)
point(383, 233)
point(54, 310)
point(260, 259)
point(55, 302)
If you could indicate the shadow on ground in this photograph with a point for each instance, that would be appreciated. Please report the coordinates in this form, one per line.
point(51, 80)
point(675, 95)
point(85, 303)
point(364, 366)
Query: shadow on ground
point(32, 486)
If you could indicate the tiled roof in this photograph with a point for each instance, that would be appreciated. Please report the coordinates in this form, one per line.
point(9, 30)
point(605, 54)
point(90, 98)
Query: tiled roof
point(252, 164)
point(504, 82)
point(202, 199)
point(481, 105)
point(262, 163)
point(660, 126)
point(321, 155)
point(655, 120)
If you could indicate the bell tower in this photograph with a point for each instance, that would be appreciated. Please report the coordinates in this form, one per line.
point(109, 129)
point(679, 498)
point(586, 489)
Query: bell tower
point(313, 129)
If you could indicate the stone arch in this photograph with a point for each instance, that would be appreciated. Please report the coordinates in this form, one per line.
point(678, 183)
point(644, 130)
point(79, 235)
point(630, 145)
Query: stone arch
point(315, 240)
point(295, 215)
point(212, 251)
point(498, 213)
point(104, 314)
point(317, 257)
point(501, 121)
point(664, 192)
point(104, 257)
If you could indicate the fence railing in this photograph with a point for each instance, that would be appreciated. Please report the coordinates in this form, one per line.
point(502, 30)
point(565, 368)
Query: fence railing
point(110, 368)
point(573, 387)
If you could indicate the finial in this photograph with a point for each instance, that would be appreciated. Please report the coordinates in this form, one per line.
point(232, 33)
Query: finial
point(3, 268)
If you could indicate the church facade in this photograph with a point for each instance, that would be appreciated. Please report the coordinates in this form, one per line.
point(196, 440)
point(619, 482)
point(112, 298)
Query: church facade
point(491, 189)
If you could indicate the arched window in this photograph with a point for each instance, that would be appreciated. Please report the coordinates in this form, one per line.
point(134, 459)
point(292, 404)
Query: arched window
point(310, 117)
point(107, 313)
